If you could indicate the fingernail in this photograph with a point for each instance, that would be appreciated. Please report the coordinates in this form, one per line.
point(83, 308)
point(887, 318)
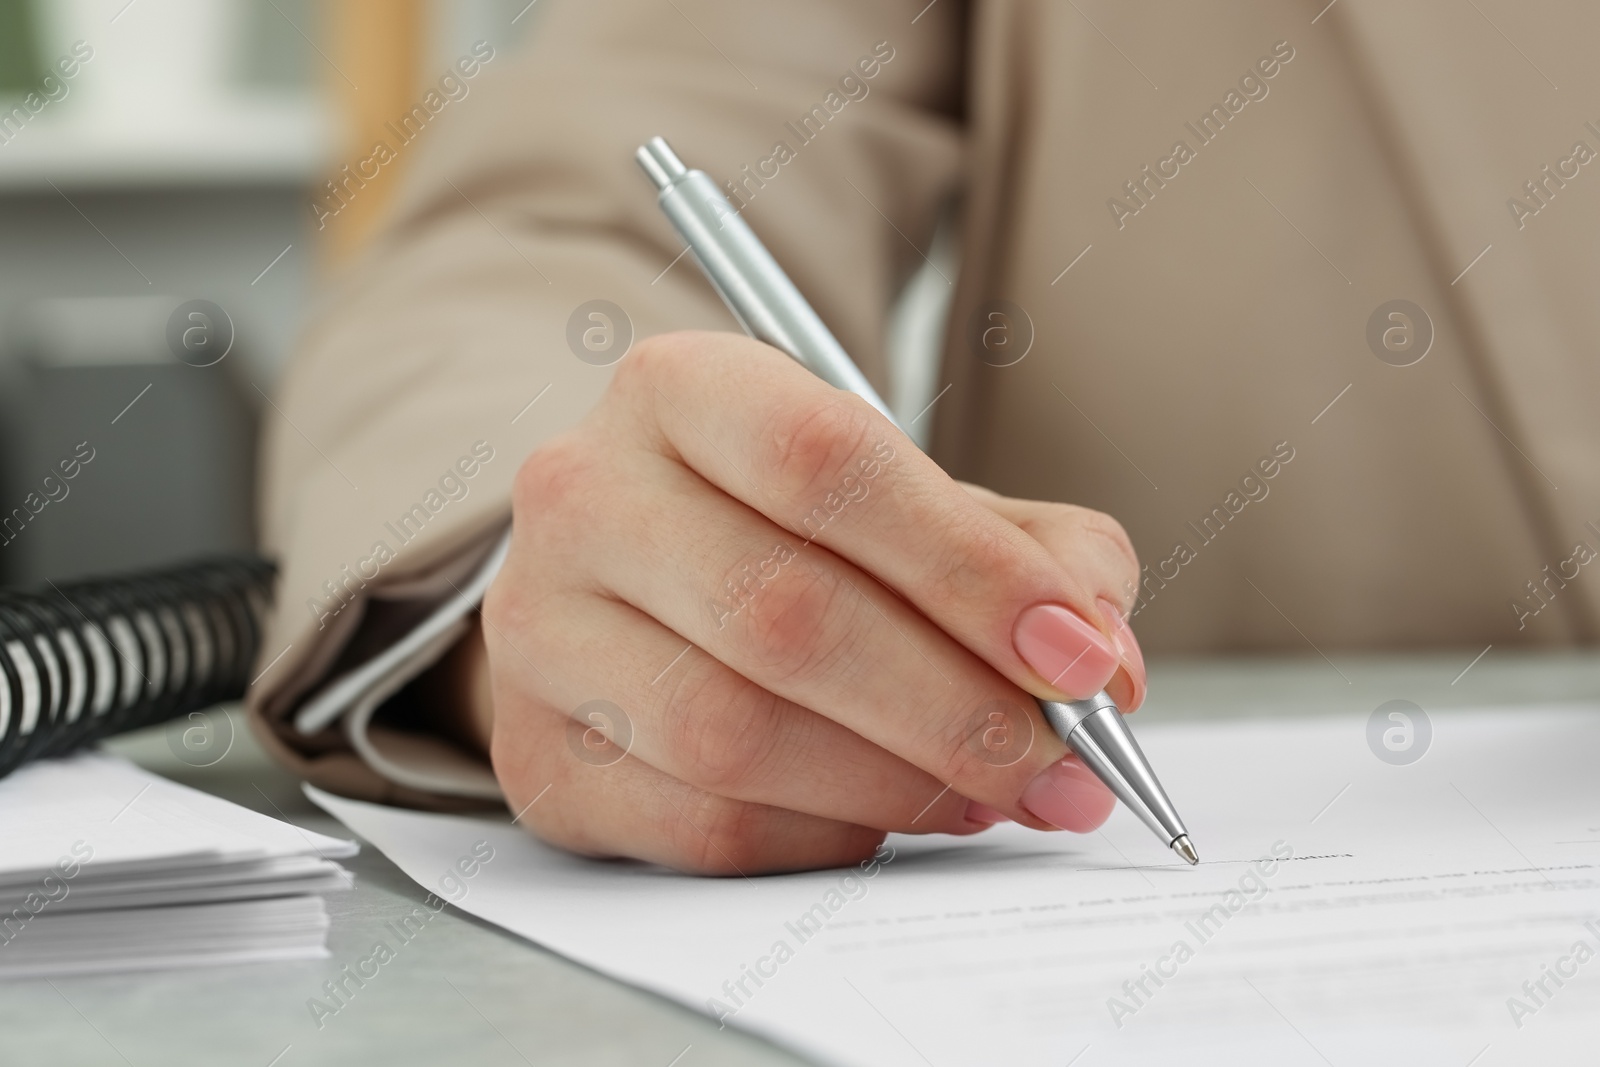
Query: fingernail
point(1127, 648)
point(1067, 652)
point(1068, 795)
point(984, 813)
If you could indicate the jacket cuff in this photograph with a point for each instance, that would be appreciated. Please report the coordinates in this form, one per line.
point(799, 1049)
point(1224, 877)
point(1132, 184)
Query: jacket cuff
point(341, 734)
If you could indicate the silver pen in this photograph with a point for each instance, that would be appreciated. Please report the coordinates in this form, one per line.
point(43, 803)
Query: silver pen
point(771, 309)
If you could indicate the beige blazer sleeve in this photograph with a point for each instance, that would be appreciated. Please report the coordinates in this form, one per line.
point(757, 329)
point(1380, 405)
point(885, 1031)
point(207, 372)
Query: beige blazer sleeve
point(442, 359)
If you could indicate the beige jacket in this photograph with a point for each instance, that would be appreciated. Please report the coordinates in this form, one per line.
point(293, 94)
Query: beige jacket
point(1197, 212)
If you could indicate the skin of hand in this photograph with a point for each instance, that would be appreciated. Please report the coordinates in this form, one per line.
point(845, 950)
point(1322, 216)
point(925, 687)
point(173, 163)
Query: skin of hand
point(747, 626)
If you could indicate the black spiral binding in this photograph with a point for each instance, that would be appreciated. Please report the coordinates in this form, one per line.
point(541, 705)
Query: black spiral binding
point(83, 661)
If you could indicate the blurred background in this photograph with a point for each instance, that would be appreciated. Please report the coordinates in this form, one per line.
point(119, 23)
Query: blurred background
point(159, 162)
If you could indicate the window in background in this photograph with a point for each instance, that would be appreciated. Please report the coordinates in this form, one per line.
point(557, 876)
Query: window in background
point(174, 166)
point(273, 53)
point(19, 62)
point(180, 165)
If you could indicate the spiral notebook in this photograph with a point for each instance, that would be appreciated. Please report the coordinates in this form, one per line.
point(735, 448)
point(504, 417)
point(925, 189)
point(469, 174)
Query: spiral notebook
point(106, 867)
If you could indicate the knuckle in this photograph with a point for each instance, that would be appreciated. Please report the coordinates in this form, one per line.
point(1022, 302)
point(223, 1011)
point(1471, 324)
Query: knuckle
point(973, 747)
point(812, 446)
point(717, 836)
point(655, 358)
point(727, 732)
point(1099, 524)
point(553, 484)
point(791, 627)
point(1072, 529)
point(980, 558)
point(1107, 530)
point(973, 765)
point(552, 477)
point(520, 742)
point(969, 771)
point(502, 605)
point(521, 751)
point(521, 729)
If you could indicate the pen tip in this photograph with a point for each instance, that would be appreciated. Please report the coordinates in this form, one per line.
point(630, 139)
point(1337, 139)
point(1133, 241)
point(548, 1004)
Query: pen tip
point(1182, 847)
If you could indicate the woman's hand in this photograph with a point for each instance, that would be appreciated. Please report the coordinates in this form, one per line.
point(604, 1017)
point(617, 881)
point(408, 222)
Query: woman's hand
point(747, 626)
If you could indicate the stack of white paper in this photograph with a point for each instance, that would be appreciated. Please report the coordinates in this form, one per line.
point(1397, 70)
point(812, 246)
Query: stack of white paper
point(106, 867)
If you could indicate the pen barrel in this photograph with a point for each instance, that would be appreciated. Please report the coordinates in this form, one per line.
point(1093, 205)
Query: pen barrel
point(757, 291)
point(1094, 729)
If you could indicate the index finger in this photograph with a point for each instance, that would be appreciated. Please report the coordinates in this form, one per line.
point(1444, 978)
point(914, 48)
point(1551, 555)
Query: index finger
point(826, 465)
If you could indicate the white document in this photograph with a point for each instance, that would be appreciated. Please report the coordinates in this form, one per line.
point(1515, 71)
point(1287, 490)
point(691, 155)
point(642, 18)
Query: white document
point(105, 867)
point(1346, 911)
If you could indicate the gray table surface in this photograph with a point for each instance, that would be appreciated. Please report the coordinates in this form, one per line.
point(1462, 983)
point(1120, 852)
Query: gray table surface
point(465, 992)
